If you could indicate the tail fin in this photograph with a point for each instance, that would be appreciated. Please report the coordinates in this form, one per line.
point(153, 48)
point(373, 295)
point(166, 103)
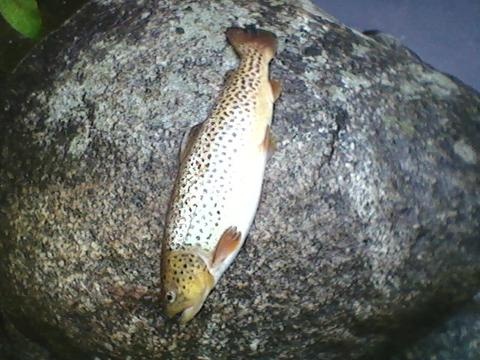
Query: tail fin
point(244, 39)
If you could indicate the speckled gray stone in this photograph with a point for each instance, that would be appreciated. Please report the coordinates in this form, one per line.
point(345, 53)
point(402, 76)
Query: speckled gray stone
point(369, 220)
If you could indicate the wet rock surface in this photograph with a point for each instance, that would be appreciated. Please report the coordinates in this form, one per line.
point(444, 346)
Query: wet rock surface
point(369, 218)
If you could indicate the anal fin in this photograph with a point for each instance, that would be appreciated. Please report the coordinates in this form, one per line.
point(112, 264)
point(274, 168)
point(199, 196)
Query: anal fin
point(228, 75)
point(269, 143)
point(276, 88)
point(188, 140)
point(229, 242)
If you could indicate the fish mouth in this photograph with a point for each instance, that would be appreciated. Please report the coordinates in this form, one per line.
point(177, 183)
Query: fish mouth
point(173, 313)
point(190, 311)
point(187, 315)
point(183, 316)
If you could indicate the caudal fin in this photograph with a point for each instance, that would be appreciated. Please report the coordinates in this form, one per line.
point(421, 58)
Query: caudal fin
point(243, 40)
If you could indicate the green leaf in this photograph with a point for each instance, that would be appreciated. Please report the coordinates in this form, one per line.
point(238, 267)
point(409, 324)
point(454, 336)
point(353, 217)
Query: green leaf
point(23, 16)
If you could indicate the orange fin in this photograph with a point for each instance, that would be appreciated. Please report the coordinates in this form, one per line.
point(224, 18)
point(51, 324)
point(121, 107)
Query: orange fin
point(269, 144)
point(244, 39)
point(188, 140)
point(276, 88)
point(228, 243)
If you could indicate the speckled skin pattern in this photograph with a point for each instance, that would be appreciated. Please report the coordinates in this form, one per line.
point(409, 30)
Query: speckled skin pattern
point(213, 183)
point(220, 178)
point(369, 217)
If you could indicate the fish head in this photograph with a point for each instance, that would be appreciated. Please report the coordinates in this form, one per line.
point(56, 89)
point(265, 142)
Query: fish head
point(187, 281)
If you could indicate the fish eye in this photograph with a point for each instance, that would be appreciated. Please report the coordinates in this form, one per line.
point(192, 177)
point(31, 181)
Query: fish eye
point(170, 296)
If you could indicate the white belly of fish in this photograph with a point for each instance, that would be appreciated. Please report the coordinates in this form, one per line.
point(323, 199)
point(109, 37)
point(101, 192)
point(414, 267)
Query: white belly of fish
point(226, 196)
point(242, 202)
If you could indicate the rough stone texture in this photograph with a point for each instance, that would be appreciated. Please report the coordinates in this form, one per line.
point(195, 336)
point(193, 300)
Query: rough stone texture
point(458, 338)
point(368, 222)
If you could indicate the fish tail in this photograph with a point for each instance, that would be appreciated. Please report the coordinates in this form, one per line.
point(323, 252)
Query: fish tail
point(243, 40)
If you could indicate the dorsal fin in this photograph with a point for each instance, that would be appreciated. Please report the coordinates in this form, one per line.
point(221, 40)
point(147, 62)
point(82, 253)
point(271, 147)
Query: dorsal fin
point(188, 140)
point(229, 242)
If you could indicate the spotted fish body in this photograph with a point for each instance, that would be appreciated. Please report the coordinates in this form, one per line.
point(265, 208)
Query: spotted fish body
point(218, 186)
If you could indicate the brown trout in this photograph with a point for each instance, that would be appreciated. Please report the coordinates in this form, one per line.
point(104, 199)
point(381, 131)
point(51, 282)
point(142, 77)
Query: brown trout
point(217, 190)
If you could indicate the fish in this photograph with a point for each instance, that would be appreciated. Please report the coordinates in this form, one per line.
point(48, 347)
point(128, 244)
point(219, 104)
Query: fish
point(219, 181)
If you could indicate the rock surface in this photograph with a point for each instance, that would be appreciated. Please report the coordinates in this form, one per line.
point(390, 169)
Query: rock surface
point(457, 338)
point(368, 222)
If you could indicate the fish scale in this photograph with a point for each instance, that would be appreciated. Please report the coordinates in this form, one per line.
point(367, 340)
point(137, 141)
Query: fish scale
point(219, 182)
point(206, 186)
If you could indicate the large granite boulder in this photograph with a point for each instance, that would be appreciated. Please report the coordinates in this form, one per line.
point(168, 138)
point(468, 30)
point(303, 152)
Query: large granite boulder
point(369, 219)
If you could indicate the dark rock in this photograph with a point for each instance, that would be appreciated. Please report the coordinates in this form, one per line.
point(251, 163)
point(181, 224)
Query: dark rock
point(15, 346)
point(368, 222)
point(457, 338)
point(312, 51)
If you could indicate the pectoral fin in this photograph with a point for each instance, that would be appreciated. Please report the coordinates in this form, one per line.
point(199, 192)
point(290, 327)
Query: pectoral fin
point(276, 88)
point(229, 242)
point(189, 139)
